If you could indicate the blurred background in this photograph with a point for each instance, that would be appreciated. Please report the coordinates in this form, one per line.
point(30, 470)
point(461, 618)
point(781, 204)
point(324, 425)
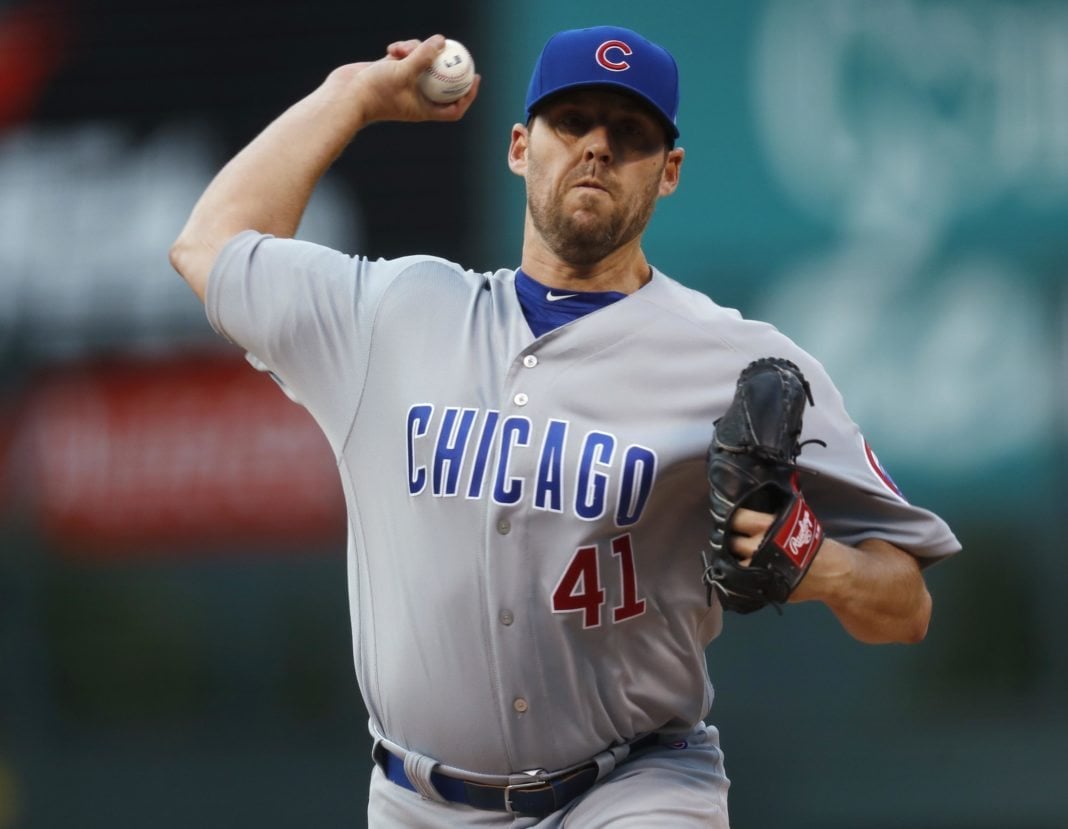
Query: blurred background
point(885, 181)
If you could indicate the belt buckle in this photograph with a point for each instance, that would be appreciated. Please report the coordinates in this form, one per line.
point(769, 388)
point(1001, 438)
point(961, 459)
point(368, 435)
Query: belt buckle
point(523, 784)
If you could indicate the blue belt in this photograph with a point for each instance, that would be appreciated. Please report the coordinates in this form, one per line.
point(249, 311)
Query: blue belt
point(534, 797)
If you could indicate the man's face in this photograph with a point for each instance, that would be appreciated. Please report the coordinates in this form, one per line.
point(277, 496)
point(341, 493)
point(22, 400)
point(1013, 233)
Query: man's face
point(595, 162)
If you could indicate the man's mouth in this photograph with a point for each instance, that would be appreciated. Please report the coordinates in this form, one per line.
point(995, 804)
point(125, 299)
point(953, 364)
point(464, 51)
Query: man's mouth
point(590, 184)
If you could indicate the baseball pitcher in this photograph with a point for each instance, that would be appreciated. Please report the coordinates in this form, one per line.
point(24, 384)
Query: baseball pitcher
point(558, 475)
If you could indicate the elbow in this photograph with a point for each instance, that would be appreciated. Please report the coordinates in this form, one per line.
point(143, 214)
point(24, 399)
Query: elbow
point(914, 604)
point(185, 260)
point(921, 620)
point(915, 627)
point(176, 255)
point(903, 626)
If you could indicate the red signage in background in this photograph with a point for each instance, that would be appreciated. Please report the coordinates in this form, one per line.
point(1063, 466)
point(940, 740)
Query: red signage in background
point(7, 432)
point(32, 42)
point(190, 456)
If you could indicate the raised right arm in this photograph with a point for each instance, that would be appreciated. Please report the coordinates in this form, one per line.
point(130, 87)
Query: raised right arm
point(267, 185)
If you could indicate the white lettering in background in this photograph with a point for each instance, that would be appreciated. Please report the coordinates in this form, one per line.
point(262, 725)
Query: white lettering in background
point(913, 105)
point(87, 214)
point(893, 121)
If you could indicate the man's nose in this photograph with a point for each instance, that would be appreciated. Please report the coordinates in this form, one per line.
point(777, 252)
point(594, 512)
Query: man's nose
point(598, 145)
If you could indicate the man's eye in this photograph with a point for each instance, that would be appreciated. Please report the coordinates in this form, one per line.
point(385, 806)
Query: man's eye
point(573, 123)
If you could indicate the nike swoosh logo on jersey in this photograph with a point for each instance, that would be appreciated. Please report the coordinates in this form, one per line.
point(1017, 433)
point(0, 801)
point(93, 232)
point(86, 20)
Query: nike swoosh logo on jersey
point(549, 295)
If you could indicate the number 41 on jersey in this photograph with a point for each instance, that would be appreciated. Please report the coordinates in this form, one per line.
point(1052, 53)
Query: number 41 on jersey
point(581, 590)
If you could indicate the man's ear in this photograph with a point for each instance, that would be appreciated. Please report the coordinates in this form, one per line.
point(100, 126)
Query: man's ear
point(669, 181)
point(517, 150)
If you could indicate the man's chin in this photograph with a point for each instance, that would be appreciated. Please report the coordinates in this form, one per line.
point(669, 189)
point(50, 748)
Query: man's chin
point(583, 248)
point(588, 224)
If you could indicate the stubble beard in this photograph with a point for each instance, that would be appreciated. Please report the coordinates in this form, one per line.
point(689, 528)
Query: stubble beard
point(589, 238)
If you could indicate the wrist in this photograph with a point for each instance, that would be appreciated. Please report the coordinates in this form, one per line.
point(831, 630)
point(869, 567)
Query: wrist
point(348, 97)
point(828, 573)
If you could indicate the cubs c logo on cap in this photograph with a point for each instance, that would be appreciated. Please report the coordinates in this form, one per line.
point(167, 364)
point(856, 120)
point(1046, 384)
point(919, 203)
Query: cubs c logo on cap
point(607, 56)
point(610, 46)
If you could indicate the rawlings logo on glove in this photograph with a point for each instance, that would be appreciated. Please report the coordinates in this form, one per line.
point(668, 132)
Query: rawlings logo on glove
point(800, 534)
point(752, 465)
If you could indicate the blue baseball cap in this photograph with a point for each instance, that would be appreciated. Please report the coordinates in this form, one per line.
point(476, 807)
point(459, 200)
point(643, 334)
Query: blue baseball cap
point(608, 56)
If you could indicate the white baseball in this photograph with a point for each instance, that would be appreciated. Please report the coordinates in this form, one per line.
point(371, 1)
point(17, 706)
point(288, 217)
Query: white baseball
point(450, 75)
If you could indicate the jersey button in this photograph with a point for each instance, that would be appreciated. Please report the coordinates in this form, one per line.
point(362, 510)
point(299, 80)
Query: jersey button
point(520, 399)
point(530, 361)
point(520, 705)
point(506, 617)
point(504, 526)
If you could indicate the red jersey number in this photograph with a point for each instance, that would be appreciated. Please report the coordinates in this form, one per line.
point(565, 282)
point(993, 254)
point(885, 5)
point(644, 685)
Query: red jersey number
point(580, 588)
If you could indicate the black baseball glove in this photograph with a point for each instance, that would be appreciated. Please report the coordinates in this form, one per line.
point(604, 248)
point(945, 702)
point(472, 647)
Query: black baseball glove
point(752, 464)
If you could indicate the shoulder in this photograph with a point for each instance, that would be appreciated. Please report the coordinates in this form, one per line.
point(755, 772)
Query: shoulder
point(264, 253)
point(414, 266)
point(734, 339)
point(433, 276)
point(299, 253)
point(703, 317)
point(672, 297)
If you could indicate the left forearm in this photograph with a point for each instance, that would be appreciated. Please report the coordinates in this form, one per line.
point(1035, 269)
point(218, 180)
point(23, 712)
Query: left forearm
point(875, 590)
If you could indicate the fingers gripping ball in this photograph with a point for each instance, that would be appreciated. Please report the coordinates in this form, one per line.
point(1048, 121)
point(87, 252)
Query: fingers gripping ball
point(450, 76)
point(752, 464)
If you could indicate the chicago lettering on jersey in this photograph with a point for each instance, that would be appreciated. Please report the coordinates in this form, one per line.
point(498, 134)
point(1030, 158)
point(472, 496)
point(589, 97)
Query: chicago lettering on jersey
point(477, 453)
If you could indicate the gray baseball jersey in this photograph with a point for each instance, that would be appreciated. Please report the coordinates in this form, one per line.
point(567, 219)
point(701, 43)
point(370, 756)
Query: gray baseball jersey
point(526, 514)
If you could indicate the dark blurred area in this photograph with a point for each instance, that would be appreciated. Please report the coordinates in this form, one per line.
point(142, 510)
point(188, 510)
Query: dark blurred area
point(174, 632)
point(234, 66)
point(887, 183)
